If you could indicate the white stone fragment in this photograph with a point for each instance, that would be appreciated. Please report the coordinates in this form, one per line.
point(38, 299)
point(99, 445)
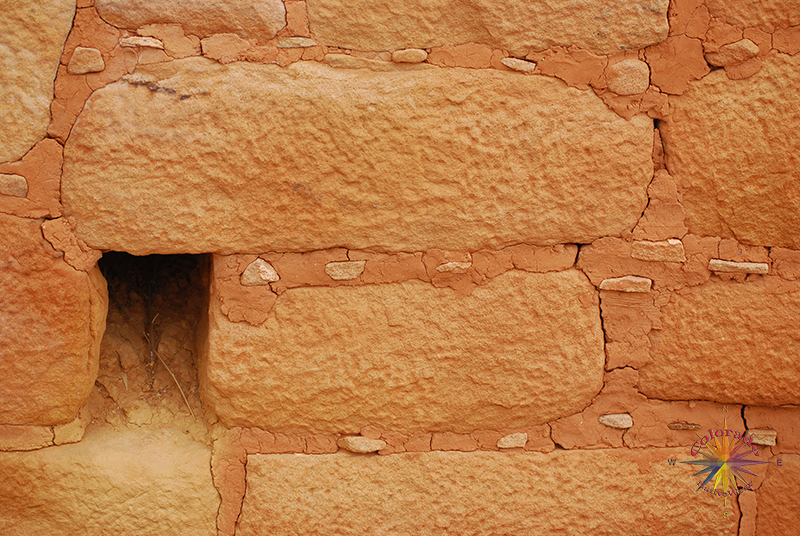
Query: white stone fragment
point(454, 267)
point(616, 420)
point(342, 271)
point(765, 438)
point(409, 55)
point(15, 185)
point(86, 60)
point(295, 42)
point(360, 444)
point(628, 77)
point(664, 251)
point(628, 283)
point(719, 265)
point(512, 441)
point(523, 66)
point(259, 272)
point(137, 41)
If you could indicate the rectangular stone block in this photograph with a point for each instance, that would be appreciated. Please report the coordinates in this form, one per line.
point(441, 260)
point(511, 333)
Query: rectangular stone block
point(52, 318)
point(247, 158)
point(616, 491)
point(131, 482)
point(735, 148)
point(766, 14)
point(522, 350)
point(604, 26)
point(727, 342)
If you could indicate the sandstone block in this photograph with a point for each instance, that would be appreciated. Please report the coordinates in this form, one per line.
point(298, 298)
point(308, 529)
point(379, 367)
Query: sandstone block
point(667, 251)
point(766, 438)
point(409, 55)
point(777, 510)
point(733, 53)
point(409, 357)
point(603, 26)
point(259, 272)
point(719, 265)
point(734, 147)
point(736, 343)
point(765, 14)
point(361, 445)
point(53, 318)
point(346, 270)
point(564, 492)
point(628, 283)
point(31, 42)
point(517, 440)
point(86, 60)
point(522, 66)
point(295, 42)
point(288, 182)
point(13, 184)
point(111, 483)
point(616, 420)
point(262, 18)
point(628, 77)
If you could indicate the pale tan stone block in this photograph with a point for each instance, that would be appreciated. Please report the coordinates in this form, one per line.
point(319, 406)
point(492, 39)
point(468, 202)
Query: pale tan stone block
point(523, 66)
point(736, 343)
point(202, 18)
point(408, 357)
point(733, 53)
point(665, 251)
point(602, 26)
point(517, 440)
point(766, 438)
point(53, 320)
point(564, 492)
point(295, 42)
point(734, 148)
point(345, 270)
point(566, 169)
point(361, 445)
point(628, 77)
point(627, 283)
point(131, 482)
point(259, 272)
point(409, 55)
point(616, 420)
point(136, 41)
point(86, 60)
point(720, 265)
point(13, 184)
point(31, 43)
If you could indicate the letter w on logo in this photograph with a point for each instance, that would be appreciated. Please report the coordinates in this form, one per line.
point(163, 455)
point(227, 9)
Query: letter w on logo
point(671, 461)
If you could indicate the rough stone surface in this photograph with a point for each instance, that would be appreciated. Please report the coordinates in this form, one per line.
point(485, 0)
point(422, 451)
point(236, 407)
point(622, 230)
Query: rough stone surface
point(719, 265)
point(14, 185)
point(478, 492)
point(627, 283)
point(603, 26)
point(628, 77)
point(777, 507)
point(361, 445)
point(343, 271)
point(616, 420)
point(409, 357)
point(768, 14)
point(86, 60)
point(261, 18)
point(409, 55)
point(733, 53)
point(52, 318)
point(31, 42)
point(766, 438)
point(259, 272)
point(665, 251)
point(334, 168)
point(736, 343)
point(24, 437)
point(734, 147)
point(131, 482)
point(516, 440)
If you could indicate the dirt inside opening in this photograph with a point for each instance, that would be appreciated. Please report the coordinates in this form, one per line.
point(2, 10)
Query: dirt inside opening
point(148, 372)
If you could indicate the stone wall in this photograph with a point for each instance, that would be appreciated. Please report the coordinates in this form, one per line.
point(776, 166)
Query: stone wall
point(456, 266)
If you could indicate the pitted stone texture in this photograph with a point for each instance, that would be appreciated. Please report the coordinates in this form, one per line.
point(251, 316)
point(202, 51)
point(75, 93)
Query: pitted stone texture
point(52, 318)
point(32, 37)
point(361, 445)
point(628, 77)
point(736, 343)
point(603, 26)
point(400, 161)
point(260, 18)
point(130, 482)
point(408, 357)
point(734, 146)
point(86, 60)
point(564, 492)
point(769, 14)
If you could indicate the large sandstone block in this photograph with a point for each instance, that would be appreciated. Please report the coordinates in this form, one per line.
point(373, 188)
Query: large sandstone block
point(130, 482)
point(777, 511)
point(604, 26)
point(32, 36)
point(767, 14)
point(522, 350)
point(253, 18)
point(734, 146)
point(52, 319)
point(203, 157)
point(727, 342)
point(615, 491)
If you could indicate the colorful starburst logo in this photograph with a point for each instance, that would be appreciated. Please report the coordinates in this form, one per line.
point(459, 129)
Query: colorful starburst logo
point(725, 461)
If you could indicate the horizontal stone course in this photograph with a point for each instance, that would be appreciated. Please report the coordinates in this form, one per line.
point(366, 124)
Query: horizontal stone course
point(247, 158)
point(587, 492)
point(409, 357)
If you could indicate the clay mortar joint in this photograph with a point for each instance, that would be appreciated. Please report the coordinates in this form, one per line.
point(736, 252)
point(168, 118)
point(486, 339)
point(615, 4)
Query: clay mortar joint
point(623, 421)
point(628, 283)
point(765, 438)
point(523, 66)
point(719, 265)
point(13, 185)
point(136, 41)
point(259, 273)
point(511, 441)
point(345, 270)
point(360, 444)
point(454, 267)
point(664, 251)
